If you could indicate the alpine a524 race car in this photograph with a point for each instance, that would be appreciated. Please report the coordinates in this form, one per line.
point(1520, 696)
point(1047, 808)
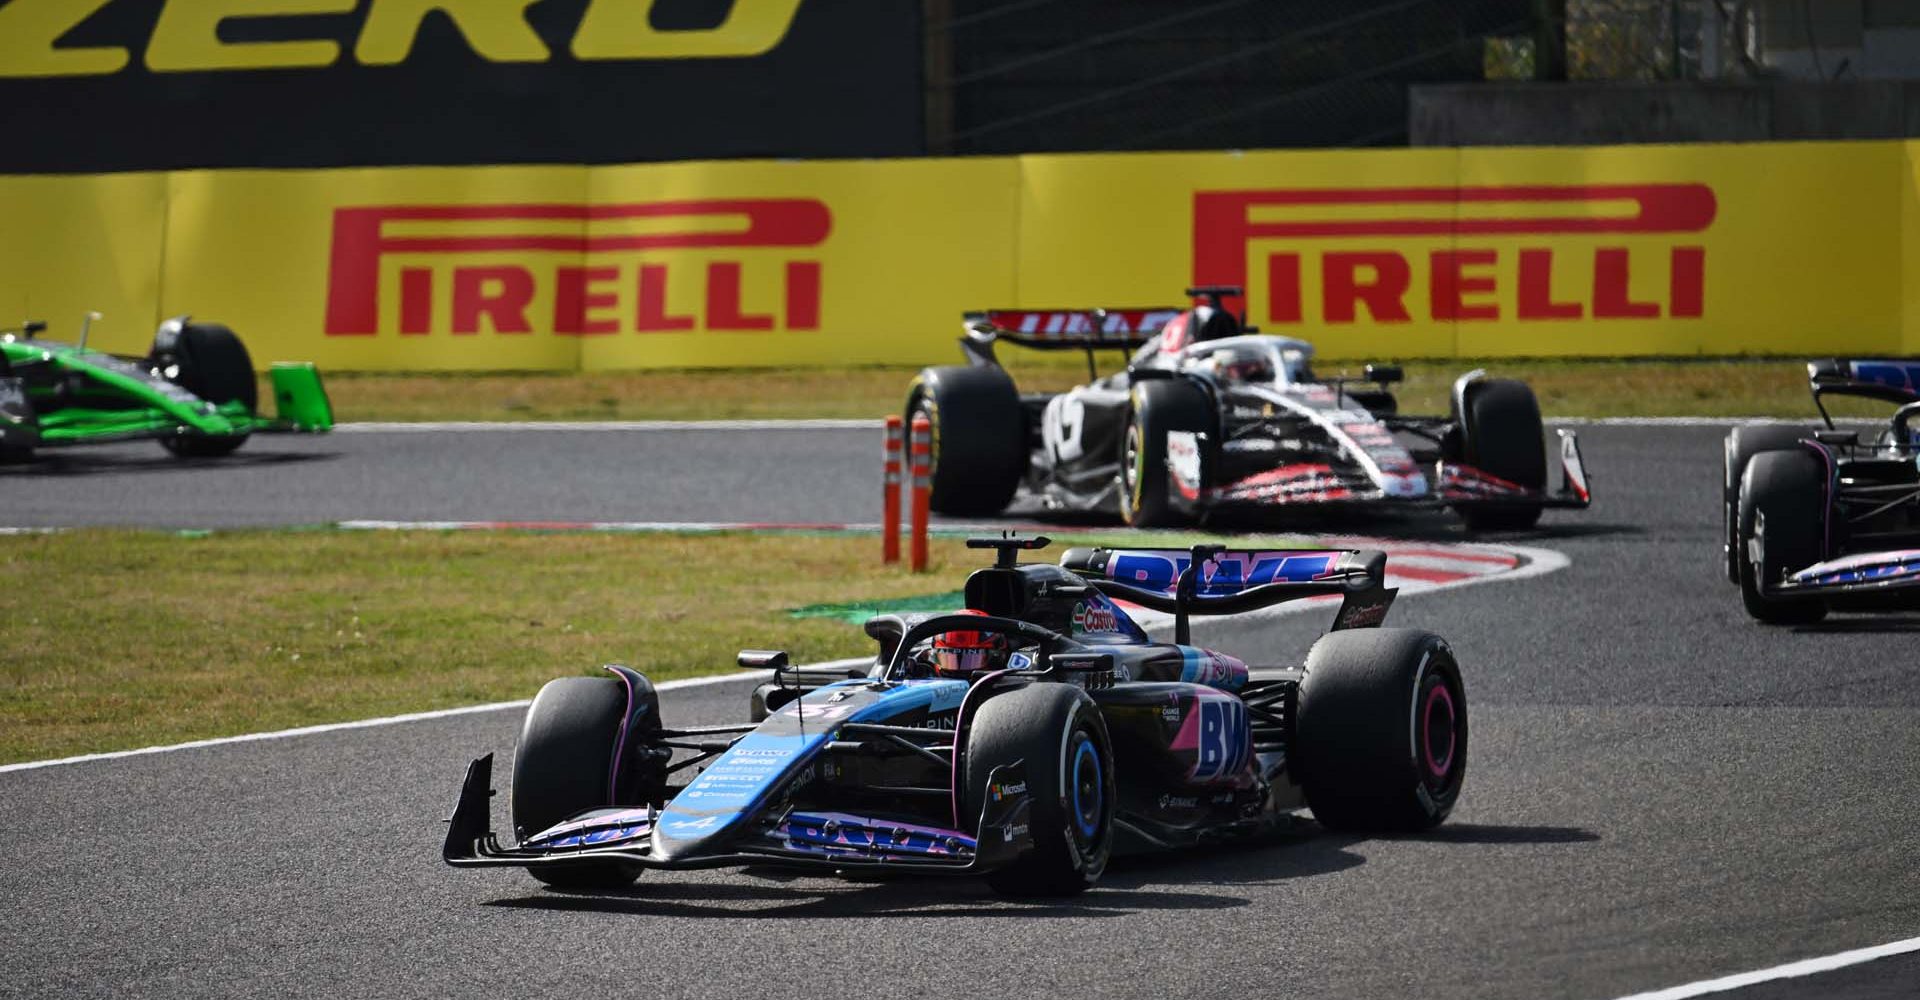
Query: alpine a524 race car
point(1208, 416)
point(1827, 519)
point(194, 391)
point(1025, 738)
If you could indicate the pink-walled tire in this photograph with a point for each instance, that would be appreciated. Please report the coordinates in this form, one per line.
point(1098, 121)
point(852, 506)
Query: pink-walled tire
point(1380, 731)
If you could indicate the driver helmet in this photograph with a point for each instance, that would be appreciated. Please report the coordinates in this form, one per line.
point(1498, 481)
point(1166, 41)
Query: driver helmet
point(963, 653)
point(1239, 367)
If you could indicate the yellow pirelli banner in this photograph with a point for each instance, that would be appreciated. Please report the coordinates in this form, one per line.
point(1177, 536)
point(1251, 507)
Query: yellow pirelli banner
point(1800, 248)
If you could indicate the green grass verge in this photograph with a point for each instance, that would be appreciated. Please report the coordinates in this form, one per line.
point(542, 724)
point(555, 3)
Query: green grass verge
point(1604, 388)
point(137, 638)
point(142, 638)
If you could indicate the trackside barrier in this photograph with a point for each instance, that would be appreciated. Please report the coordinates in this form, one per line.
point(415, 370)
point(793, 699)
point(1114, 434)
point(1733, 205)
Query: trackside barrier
point(922, 487)
point(1372, 254)
point(890, 492)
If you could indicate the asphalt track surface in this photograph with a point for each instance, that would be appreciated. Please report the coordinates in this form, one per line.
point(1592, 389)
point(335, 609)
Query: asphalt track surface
point(1661, 791)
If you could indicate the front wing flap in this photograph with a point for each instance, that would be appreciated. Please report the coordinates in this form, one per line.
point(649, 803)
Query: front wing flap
point(1320, 484)
point(798, 838)
point(1866, 572)
point(1463, 485)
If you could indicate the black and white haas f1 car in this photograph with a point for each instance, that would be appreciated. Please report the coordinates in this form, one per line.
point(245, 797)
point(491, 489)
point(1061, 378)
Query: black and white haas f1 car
point(1026, 738)
point(1209, 416)
point(1826, 519)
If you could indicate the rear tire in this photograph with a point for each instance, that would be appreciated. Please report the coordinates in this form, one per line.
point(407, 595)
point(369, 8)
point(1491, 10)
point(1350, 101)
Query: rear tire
point(1783, 520)
point(1146, 481)
point(1742, 444)
point(213, 364)
point(1060, 734)
point(979, 437)
point(1501, 434)
point(562, 767)
point(1380, 731)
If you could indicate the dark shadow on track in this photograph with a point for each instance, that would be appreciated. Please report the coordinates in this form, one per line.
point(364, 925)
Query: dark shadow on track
point(1300, 851)
point(72, 465)
point(919, 897)
point(1131, 884)
point(1486, 833)
point(1883, 623)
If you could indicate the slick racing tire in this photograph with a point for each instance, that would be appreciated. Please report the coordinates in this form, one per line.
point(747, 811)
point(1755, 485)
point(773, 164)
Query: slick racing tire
point(561, 767)
point(1380, 731)
point(1061, 736)
point(1783, 520)
point(1146, 481)
point(212, 363)
point(979, 437)
point(1741, 445)
point(1501, 434)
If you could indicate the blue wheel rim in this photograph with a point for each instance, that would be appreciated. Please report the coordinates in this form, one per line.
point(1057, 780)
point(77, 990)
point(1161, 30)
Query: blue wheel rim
point(1089, 788)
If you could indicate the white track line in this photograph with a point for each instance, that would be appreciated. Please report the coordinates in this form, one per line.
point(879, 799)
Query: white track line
point(1792, 970)
point(462, 426)
point(443, 426)
point(393, 720)
point(1538, 562)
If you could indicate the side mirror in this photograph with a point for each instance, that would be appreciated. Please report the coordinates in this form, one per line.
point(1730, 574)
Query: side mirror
point(763, 659)
point(34, 327)
point(1384, 374)
point(1149, 374)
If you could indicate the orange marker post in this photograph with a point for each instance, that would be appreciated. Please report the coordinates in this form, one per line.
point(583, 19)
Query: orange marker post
point(922, 453)
point(890, 491)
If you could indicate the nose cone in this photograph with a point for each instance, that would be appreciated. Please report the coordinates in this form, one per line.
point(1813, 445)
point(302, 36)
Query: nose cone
point(681, 832)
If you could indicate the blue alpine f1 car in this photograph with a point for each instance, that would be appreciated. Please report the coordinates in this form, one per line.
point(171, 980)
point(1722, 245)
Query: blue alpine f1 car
point(1828, 519)
point(1025, 738)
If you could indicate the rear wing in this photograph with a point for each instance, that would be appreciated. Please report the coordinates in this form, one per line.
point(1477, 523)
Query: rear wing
point(1062, 329)
point(1889, 380)
point(1084, 329)
point(1072, 328)
point(1215, 580)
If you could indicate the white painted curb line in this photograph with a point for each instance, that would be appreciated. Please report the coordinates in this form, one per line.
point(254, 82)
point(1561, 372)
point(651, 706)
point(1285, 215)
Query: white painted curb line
point(392, 720)
point(463, 426)
point(445, 426)
point(1791, 970)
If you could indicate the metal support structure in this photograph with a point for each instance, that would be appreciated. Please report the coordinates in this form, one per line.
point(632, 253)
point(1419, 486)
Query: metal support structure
point(1550, 40)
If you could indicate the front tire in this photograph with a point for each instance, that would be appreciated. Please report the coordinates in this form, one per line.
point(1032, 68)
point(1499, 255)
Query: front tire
point(1783, 519)
point(1501, 434)
point(209, 361)
point(1061, 736)
point(1146, 480)
point(562, 767)
point(1380, 731)
point(1742, 444)
point(979, 437)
